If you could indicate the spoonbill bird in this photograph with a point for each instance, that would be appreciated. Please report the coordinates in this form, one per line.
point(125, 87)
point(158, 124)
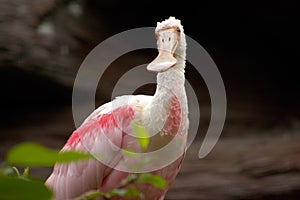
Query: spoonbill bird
point(109, 129)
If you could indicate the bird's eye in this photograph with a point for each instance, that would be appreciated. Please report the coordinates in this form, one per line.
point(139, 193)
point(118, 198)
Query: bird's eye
point(178, 30)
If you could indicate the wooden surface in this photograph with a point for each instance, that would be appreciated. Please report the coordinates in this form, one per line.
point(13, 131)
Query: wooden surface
point(242, 168)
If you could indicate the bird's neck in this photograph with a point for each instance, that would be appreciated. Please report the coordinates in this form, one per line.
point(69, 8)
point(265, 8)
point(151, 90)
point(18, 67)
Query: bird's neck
point(170, 84)
point(171, 80)
point(170, 87)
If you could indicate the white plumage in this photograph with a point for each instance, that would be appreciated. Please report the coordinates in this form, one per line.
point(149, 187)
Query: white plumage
point(109, 128)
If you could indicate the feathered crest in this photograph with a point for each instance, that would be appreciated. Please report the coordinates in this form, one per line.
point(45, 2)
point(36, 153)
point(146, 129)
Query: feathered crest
point(171, 22)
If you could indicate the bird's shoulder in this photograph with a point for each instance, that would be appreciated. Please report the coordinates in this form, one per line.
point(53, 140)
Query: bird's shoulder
point(110, 116)
point(134, 101)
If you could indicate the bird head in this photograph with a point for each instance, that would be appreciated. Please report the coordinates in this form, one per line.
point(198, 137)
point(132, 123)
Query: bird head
point(170, 43)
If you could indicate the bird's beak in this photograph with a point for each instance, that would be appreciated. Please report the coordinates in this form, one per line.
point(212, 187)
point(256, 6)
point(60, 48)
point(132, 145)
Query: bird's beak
point(167, 42)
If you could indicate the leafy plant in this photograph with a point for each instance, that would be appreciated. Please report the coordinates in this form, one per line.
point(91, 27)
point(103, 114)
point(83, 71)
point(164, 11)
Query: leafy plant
point(141, 135)
point(36, 155)
point(124, 191)
point(16, 185)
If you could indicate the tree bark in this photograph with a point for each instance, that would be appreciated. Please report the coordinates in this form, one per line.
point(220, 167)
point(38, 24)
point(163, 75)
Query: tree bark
point(47, 37)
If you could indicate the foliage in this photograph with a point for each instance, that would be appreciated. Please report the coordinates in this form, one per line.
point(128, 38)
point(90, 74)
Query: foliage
point(16, 185)
point(124, 191)
point(141, 135)
point(31, 154)
point(154, 180)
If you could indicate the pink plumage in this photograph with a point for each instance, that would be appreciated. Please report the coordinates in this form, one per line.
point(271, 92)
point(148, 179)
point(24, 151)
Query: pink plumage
point(109, 129)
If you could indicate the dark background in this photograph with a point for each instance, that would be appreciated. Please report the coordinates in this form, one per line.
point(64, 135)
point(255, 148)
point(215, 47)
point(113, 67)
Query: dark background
point(254, 44)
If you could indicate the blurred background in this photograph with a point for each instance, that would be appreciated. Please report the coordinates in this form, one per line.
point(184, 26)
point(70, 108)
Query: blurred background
point(254, 45)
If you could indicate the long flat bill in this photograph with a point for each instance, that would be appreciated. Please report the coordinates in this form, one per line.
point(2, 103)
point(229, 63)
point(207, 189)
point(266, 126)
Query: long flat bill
point(162, 62)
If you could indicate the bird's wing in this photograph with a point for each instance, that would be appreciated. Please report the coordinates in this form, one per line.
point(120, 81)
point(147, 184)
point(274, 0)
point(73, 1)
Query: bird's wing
point(102, 134)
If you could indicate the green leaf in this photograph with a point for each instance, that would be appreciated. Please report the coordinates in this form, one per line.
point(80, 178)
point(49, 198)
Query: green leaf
point(6, 170)
point(154, 180)
point(90, 195)
point(142, 135)
point(32, 154)
point(16, 188)
point(69, 156)
point(26, 172)
point(129, 153)
point(16, 170)
point(124, 192)
point(129, 179)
